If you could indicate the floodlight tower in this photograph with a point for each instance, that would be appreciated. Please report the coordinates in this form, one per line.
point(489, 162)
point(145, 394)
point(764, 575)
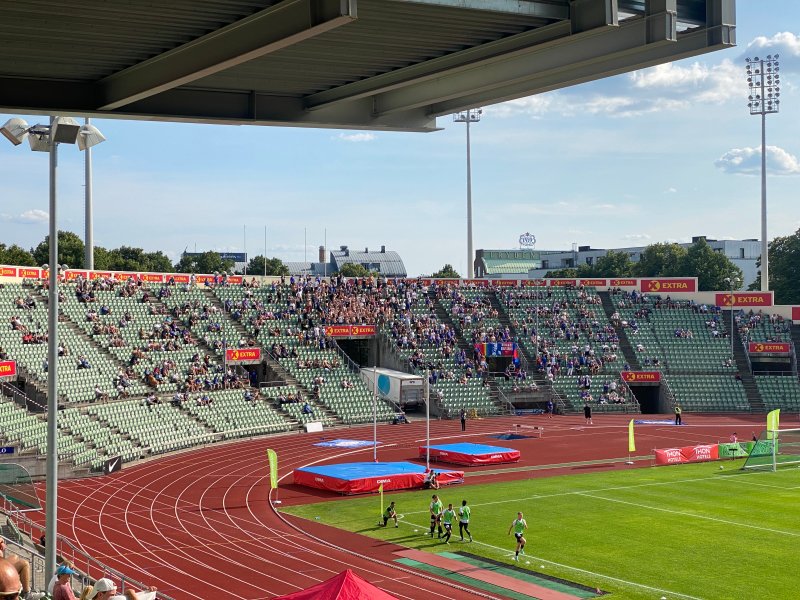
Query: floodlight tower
point(472, 115)
point(763, 82)
point(46, 138)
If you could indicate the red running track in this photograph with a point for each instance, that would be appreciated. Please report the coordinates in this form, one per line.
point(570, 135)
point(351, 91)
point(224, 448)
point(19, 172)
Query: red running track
point(199, 524)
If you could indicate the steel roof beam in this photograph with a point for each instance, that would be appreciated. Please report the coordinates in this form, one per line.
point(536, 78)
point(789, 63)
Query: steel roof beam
point(269, 30)
point(528, 8)
point(593, 54)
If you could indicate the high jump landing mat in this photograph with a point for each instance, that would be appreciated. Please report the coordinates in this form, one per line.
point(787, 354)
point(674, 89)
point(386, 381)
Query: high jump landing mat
point(366, 477)
point(471, 454)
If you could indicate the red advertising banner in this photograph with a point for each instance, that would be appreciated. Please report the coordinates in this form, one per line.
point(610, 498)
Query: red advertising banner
point(504, 282)
point(534, 282)
point(337, 330)
point(127, 276)
point(29, 272)
point(152, 277)
point(624, 283)
point(446, 282)
point(427, 281)
point(561, 282)
point(71, 275)
point(99, 275)
point(796, 313)
point(744, 299)
point(235, 279)
point(180, 278)
point(769, 348)
point(363, 330)
point(593, 282)
point(243, 355)
point(8, 368)
point(641, 376)
point(673, 284)
point(476, 282)
point(687, 454)
point(204, 278)
point(8, 272)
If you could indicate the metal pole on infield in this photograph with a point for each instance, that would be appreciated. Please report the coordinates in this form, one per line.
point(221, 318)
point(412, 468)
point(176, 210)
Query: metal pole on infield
point(427, 420)
point(375, 414)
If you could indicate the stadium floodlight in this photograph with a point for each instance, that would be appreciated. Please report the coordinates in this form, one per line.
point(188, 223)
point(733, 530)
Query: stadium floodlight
point(764, 93)
point(88, 136)
point(46, 138)
point(733, 284)
point(472, 115)
point(15, 130)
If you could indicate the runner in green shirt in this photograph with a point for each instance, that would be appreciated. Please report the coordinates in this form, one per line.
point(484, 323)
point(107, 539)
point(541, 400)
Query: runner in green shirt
point(463, 520)
point(435, 508)
point(519, 525)
point(448, 517)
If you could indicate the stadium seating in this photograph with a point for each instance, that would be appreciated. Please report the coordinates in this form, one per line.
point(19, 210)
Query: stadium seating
point(779, 391)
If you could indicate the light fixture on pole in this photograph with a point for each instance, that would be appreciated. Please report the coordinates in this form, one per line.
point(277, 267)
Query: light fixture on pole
point(88, 136)
point(472, 115)
point(764, 92)
point(46, 138)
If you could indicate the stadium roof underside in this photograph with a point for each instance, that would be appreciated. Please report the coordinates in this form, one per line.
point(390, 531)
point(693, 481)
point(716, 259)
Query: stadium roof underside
point(353, 64)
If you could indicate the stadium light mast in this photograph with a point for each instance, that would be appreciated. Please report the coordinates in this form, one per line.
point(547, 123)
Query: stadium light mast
point(46, 138)
point(89, 130)
point(733, 284)
point(763, 82)
point(472, 115)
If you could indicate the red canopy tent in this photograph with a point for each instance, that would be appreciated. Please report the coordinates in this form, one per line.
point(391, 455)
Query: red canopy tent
point(344, 586)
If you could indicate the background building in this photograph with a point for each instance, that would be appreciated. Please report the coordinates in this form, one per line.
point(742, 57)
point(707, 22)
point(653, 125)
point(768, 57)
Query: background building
point(386, 262)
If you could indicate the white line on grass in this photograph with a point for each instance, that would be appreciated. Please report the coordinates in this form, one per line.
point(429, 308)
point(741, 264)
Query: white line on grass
point(688, 514)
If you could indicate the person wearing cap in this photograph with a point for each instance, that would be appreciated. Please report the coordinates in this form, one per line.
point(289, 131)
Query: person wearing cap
point(9, 580)
point(103, 589)
point(62, 590)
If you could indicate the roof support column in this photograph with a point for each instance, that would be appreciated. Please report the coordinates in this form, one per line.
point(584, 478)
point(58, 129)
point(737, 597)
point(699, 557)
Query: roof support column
point(662, 20)
point(591, 14)
point(721, 21)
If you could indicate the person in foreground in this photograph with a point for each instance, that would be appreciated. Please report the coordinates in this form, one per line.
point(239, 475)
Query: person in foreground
point(518, 526)
point(9, 581)
point(22, 566)
point(62, 590)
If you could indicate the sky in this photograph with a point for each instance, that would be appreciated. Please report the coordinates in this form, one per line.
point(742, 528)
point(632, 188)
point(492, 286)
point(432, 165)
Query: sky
point(661, 154)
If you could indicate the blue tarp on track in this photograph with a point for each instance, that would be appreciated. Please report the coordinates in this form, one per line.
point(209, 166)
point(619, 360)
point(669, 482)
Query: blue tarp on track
point(471, 454)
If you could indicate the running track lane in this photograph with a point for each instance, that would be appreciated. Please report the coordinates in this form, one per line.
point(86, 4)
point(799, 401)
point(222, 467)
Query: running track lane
point(198, 524)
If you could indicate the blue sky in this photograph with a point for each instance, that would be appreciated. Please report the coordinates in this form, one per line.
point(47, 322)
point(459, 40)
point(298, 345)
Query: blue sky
point(661, 154)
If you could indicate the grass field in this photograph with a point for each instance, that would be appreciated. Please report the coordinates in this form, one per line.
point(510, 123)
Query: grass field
point(690, 531)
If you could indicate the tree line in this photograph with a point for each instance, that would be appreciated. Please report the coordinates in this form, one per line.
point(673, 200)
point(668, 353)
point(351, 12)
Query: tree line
point(657, 260)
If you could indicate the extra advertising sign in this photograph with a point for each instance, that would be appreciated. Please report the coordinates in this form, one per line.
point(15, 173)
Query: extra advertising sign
point(593, 282)
point(8, 368)
point(641, 376)
point(152, 277)
point(561, 282)
point(29, 272)
point(504, 282)
point(243, 355)
point(476, 282)
point(743, 299)
point(687, 454)
point(769, 348)
point(624, 282)
point(8, 271)
point(534, 283)
point(669, 285)
point(72, 275)
point(351, 331)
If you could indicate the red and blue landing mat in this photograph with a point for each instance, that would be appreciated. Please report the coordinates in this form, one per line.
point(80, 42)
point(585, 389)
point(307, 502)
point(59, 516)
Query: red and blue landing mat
point(471, 454)
point(366, 477)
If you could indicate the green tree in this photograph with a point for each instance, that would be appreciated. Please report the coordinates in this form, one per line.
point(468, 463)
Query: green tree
point(711, 268)
point(274, 266)
point(446, 272)
point(70, 250)
point(126, 258)
point(613, 264)
point(14, 255)
point(353, 270)
point(568, 273)
point(784, 269)
point(661, 260)
point(206, 262)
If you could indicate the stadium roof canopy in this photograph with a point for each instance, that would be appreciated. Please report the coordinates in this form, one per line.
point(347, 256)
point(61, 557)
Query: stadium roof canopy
point(371, 64)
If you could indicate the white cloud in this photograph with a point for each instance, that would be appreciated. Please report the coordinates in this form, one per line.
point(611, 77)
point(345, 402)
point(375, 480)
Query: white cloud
point(29, 217)
point(784, 43)
point(636, 237)
point(534, 106)
point(671, 190)
point(357, 137)
point(747, 161)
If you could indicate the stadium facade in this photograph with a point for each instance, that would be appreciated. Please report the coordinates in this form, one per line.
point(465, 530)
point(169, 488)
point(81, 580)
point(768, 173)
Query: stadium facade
point(386, 262)
point(526, 262)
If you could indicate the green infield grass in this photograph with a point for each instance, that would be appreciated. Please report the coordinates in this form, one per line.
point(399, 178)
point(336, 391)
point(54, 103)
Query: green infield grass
point(689, 531)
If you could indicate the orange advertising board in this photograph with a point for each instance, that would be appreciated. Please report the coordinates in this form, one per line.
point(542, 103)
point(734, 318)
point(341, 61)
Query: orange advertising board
point(337, 330)
point(99, 275)
point(243, 355)
point(641, 376)
point(624, 283)
point(534, 282)
point(29, 272)
point(72, 275)
point(593, 282)
point(363, 330)
point(179, 278)
point(769, 348)
point(504, 282)
point(235, 279)
point(744, 299)
point(561, 282)
point(669, 285)
point(8, 368)
point(152, 277)
point(476, 282)
point(8, 272)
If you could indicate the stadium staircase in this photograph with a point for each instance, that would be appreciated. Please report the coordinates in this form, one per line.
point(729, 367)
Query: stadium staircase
point(624, 341)
point(743, 366)
point(529, 363)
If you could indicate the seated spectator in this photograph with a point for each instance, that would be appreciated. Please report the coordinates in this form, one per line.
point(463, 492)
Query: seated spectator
point(99, 394)
point(21, 573)
point(432, 480)
point(83, 362)
point(307, 410)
